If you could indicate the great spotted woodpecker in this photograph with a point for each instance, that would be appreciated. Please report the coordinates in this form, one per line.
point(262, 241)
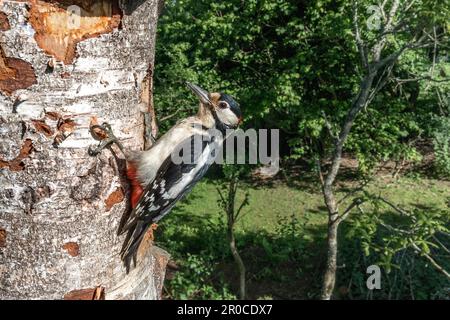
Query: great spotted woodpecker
point(157, 182)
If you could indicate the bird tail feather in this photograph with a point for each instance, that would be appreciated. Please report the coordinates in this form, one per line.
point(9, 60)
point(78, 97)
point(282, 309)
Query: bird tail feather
point(131, 244)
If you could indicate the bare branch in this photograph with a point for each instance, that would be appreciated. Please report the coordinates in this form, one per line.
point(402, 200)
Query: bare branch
point(441, 244)
point(382, 6)
point(408, 6)
point(359, 42)
point(394, 30)
point(222, 199)
point(319, 169)
point(384, 78)
point(329, 128)
point(379, 45)
point(378, 64)
point(444, 233)
point(429, 78)
point(170, 115)
point(433, 65)
point(431, 260)
point(356, 203)
point(356, 190)
point(243, 204)
point(401, 211)
point(391, 15)
point(393, 206)
point(393, 229)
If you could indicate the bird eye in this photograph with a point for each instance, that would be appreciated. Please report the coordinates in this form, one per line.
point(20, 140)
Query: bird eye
point(223, 104)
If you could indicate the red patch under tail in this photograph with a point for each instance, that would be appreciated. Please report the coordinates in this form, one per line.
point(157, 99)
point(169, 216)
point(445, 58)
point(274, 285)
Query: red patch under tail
point(136, 188)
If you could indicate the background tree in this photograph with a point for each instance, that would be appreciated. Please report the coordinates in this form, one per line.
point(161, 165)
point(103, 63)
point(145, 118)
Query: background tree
point(232, 211)
point(403, 26)
point(59, 207)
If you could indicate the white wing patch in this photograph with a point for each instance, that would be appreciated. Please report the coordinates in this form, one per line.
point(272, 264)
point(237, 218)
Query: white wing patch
point(173, 181)
point(187, 178)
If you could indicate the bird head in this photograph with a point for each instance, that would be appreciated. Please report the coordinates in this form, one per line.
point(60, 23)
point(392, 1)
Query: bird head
point(221, 106)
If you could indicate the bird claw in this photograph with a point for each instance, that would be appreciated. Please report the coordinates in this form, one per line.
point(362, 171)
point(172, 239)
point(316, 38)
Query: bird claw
point(105, 142)
point(94, 151)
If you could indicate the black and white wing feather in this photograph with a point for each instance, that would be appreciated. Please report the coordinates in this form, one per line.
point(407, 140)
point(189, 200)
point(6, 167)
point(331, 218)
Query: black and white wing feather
point(172, 182)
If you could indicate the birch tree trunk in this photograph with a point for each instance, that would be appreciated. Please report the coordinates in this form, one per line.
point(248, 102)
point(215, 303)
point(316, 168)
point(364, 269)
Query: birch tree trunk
point(63, 66)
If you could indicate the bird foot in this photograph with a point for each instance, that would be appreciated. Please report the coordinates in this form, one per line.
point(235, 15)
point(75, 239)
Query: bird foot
point(107, 137)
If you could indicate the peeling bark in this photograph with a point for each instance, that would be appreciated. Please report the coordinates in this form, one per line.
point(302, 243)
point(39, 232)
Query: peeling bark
point(2, 238)
point(42, 127)
point(115, 197)
point(151, 126)
point(86, 294)
point(4, 23)
point(72, 248)
point(59, 207)
point(57, 30)
point(15, 74)
point(17, 164)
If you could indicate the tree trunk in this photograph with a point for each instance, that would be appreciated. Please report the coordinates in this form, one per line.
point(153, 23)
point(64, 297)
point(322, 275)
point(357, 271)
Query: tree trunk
point(334, 219)
point(238, 260)
point(329, 279)
point(59, 207)
point(231, 221)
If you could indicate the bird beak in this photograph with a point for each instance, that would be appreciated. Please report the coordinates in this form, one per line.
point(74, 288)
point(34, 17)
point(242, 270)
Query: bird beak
point(203, 95)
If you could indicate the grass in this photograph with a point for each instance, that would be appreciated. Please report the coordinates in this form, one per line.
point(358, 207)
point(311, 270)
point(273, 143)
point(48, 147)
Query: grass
point(267, 205)
point(270, 203)
point(281, 235)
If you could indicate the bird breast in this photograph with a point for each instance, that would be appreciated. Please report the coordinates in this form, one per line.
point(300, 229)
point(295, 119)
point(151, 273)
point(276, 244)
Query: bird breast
point(149, 161)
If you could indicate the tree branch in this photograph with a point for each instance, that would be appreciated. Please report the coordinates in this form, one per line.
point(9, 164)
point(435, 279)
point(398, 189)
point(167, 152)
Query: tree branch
point(391, 15)
point(356, 190)
point(431, 260)
point(441, 244)
point(243, 204)
point(170, 115)
point(356, 202)
point(429, 78)
point(319, 170)
point(359, 42)
point(393, 206)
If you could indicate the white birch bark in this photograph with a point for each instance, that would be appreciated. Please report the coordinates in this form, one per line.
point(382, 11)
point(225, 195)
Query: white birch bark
point(59, 207)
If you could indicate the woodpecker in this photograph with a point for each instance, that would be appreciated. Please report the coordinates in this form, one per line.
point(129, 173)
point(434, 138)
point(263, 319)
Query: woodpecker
point(157, 182)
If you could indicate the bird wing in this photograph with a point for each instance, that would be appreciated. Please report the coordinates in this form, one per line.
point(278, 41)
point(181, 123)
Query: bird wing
point(171, 183)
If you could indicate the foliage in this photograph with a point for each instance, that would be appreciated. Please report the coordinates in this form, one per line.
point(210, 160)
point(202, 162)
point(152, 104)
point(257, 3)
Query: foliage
point(283, 244)
point(207, 271)
point(292, 63)
point(386, 237)
point(412, 278)
point(441, 143)
point(197, 248)
point(194, 282)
